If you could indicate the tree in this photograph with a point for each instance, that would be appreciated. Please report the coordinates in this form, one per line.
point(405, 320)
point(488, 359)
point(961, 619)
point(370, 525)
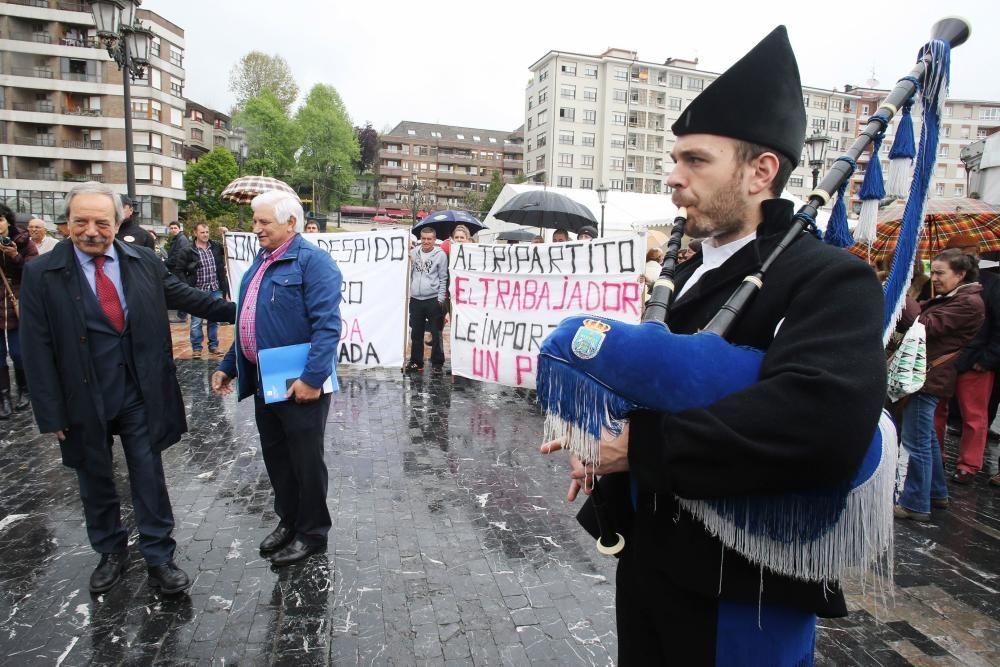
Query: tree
point(207, 178)
point(368, 143)
point(272, 137)
point(492, 192)
point(257, 72)
point(329, 146)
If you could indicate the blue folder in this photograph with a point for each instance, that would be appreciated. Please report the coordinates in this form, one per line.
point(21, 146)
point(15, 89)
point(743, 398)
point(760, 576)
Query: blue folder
point(281, 366)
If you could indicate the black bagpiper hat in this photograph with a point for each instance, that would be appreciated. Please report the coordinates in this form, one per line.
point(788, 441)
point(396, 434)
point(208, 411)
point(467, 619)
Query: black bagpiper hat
point(759, 99)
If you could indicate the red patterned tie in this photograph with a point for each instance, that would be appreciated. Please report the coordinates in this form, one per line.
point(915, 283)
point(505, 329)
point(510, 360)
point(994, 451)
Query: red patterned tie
point(108, 295)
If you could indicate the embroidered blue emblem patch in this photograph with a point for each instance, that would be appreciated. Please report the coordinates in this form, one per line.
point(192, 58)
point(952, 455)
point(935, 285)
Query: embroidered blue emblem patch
point(589, 338)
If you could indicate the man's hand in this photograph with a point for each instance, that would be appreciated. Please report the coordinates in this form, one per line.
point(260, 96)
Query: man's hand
point(300, 392)
point(60, 436)
point(9, 250)
point(613, 456)
point(222, 384)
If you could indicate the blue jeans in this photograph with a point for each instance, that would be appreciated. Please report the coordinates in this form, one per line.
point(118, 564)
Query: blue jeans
point(10, 342)
point(925, 472)
point(213, 328)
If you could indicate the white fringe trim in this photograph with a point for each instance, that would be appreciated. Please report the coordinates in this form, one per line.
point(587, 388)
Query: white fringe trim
point(861, 542)
point(864, 232)
point(898, 182)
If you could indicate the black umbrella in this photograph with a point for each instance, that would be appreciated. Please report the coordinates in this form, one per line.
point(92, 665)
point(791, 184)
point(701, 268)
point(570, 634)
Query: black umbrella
point(541, 208)
point(517, 235)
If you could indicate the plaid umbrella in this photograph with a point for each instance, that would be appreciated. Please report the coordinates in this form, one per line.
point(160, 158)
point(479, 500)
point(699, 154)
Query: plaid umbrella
point(245, 188)
point(943, 219)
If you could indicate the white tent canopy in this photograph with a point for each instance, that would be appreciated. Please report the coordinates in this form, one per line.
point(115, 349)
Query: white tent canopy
point(624, 212)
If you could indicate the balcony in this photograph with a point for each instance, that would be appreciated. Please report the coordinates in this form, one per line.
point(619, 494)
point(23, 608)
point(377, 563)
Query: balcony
point(83, 178)
point(37, 37)
point(146, 148)
point(82, 111)
point(81, 41)
point(88, 145)
point(36, 72)
point(41, 106)
point(81, 76)
point(45, 174)
point(36, 140)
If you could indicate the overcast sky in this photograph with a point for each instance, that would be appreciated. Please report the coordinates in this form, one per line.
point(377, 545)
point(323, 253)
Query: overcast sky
point(466, 63)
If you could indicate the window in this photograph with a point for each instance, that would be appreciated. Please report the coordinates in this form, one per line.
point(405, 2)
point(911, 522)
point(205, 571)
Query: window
point(590, 94)
point(617, 184)
point(529, 145)
point(820, 102)
point(587, 139)
point(819, 123)
point(621, 74)
point(618, 141)
point(176, 149)
point(540, 162)
point(154, 47)
point(617, 163)
point(565, 159)
point(542, 96)
point(590, 70)
point(948, 110)
point(620, 95)
point(939, 189)
point(531, 103)
point(461, 137)
point(530, 121)
point(569, 69)
point(835, 104)
point(587, 183)
point(220, 141)
point(565, 181)
point(989, 113)
point(412, 133)
point(176, 87)
point(476, 138)
point(834, 125)
point(543, 75)
point(176, 56)
point(676, 81)
point(589, 116)
point(835, 145)
point(695, 84)
point(965, 132)
point(587, 161)
point(947, 130)
point(675, 104)
point(617, 118)
point(493, 140)
point(805, 101)
point(864, 109)
point(566, 113)
point(959, 190)
point(543, 117)
point(795, 181)
point(436, 134)
point(942, 151)
point(566, 138)
point(542, 140)
point(156, 80)
point(982, 133)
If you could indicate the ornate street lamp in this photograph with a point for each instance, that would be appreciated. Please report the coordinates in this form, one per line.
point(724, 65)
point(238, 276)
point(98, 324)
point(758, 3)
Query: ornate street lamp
point(817, 142)
point(128, 44)
point(602, 196)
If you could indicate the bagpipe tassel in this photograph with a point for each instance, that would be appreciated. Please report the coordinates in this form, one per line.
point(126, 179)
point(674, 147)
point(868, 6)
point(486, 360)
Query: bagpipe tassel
point(901, 155)
point(871, 194)
point(837, 231)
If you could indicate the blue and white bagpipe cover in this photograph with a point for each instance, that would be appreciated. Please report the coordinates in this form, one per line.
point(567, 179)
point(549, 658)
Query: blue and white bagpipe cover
point(589, 379)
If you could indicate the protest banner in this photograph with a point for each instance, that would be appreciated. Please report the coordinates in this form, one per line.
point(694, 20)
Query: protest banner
point(507, 298)
point(373, 292)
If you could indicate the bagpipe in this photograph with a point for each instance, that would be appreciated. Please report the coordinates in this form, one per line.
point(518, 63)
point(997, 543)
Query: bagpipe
point(816, 536)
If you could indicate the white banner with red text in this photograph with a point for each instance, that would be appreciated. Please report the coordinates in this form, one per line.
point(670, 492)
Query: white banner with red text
point(373, 292)
point(507, 298)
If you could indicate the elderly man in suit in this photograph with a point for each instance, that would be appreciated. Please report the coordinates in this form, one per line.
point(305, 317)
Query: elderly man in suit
point(98, 350)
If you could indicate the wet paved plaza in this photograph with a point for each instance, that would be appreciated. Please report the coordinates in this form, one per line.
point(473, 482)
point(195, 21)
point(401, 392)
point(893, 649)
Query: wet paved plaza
point(452, 544)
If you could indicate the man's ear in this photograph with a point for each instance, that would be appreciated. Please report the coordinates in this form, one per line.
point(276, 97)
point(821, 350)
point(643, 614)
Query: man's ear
point(765, 170)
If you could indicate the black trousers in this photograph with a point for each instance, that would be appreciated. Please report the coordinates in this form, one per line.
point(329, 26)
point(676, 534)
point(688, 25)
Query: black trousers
point(291, 441)
point(101, 506)
point(426, 314)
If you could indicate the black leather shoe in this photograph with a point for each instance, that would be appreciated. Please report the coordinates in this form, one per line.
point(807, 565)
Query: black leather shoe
point(23, 401)
point(295, 551)
point(278, 538)
point(108, 572)
point(168, 578)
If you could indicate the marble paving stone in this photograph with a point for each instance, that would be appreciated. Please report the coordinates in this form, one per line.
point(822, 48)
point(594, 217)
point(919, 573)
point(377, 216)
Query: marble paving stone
point(452, 544)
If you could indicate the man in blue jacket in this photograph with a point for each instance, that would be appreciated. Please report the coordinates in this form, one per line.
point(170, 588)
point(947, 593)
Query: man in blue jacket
point(289, 295)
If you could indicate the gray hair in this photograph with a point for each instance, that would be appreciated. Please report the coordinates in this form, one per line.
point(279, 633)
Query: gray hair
point(285, 206)
point(95, 188)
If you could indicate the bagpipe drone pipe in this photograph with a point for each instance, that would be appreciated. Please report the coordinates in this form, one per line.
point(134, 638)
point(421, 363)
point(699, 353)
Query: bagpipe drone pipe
point(585, 392)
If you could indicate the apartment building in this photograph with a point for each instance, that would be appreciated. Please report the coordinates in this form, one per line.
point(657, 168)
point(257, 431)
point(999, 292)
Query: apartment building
point(204, 129)
point(605, 119)
point(62, 111)
point(446, 163)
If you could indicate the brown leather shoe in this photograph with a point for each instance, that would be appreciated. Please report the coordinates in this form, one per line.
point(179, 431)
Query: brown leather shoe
point(901, 512)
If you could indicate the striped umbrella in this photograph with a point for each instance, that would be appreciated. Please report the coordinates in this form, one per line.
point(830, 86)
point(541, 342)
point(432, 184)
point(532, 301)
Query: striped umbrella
point(245, 188)
point(943, 219)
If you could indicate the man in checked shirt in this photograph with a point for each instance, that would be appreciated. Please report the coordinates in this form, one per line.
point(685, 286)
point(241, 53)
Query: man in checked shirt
point(210, 276)
point(289, 295)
